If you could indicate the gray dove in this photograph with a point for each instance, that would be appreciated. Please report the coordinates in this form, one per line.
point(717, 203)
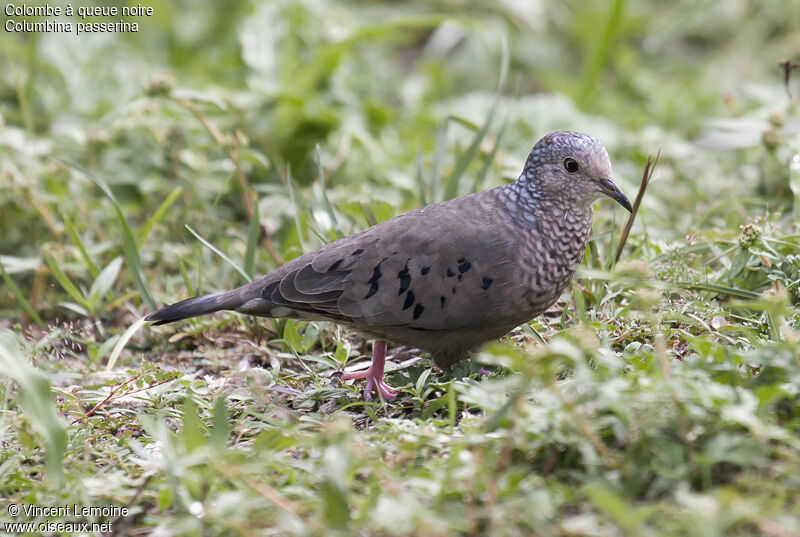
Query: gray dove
point(448, 277)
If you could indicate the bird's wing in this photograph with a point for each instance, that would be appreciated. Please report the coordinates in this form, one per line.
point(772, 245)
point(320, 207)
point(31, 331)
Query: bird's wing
point(438, 268)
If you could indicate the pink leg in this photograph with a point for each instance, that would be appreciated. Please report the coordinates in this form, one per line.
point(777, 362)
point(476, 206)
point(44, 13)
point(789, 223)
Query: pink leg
point(374, 374)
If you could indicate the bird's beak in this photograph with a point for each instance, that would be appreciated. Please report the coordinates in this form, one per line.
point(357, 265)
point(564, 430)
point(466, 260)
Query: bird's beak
point(611, 190)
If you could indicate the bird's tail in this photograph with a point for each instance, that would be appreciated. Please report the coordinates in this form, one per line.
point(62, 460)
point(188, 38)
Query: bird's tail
point(200, 305)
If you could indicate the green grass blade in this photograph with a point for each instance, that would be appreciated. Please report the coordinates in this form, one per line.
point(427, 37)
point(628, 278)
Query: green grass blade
point(420, 178)
point(90, 265)
point(20, 297)
point(66, 283)
point(326, 204)
point(77, 308)
point(144, 231)
point(122, 341)
point(298, 209)
point(253, 229)
point(130, 249)
point(481, 177)
point(464, 160)
point(217, 251)
point(721, 289)
point(601, 53)
point(580, 303)
point(438, 161)
point(185, 276)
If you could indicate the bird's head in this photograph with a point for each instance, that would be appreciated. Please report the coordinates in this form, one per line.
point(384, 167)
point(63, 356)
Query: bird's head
point(571, 166)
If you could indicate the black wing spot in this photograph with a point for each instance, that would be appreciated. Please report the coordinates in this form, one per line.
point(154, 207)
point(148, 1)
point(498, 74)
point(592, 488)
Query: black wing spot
point(441, 301)
point(266, 293)
point(418, 311)
point(425, 270)
point(357, 252)
point(373, 281)
point(409, 300)
point(486, 283)
point(450, 272)
point(464, 266)
point(460, 260)
point(453, 291)
point(373, 288)
point(405, 280)
point(335, 265)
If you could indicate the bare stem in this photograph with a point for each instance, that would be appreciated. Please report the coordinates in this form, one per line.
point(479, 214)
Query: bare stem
point(647, 175)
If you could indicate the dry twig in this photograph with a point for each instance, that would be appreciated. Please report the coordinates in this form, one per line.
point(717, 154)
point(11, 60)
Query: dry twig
point(647, 174)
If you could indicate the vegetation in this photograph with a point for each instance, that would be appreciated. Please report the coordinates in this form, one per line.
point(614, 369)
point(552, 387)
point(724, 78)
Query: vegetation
point(221, 139)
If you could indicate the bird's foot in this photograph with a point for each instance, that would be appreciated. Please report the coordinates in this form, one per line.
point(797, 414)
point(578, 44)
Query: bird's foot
point(374, 374)
point(374, 380)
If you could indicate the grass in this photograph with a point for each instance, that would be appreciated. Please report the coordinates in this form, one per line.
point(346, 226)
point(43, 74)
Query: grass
point(659, 397)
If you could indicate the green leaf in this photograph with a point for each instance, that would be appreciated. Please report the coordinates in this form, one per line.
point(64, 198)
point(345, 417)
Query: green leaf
point(292, 337)
point(738, 262)
point(192, 434)
point(336, 510)
point(342, 351)
point(104, 281)
point(423, 378)
point(434, 405)
point(221, 426)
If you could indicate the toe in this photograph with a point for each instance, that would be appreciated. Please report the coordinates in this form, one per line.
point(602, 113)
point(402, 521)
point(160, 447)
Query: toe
point(368, 388)
point(386, 392)
point(355, 375)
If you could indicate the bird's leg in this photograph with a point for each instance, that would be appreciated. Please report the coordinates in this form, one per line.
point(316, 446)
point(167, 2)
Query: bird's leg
point(374, 374)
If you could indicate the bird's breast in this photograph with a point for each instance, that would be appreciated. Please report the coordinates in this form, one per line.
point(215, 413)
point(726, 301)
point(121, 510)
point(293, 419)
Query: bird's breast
point(554, 249)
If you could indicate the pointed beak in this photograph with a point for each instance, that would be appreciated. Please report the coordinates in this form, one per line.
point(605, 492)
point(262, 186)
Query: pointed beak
point(611, 190)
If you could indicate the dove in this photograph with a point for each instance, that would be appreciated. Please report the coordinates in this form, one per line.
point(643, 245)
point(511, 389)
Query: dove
point(448, 277)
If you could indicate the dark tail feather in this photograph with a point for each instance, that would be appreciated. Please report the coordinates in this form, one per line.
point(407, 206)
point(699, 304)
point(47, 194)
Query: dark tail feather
point(194, 307)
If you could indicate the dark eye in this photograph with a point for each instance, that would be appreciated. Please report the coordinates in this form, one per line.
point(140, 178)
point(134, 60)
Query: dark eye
point(571, 165)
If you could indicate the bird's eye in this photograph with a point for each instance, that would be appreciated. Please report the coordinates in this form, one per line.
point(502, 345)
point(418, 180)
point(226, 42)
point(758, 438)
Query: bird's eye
point(571, 165)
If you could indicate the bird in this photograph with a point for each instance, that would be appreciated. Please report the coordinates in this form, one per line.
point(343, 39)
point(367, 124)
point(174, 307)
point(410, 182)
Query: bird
point(448, 277)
